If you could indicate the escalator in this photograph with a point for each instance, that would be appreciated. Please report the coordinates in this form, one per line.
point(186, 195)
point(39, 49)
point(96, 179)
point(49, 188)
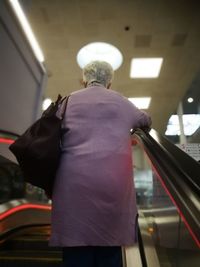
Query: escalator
point(168, 198)
point(168, 194)
point(25, 231)
point(30, 249)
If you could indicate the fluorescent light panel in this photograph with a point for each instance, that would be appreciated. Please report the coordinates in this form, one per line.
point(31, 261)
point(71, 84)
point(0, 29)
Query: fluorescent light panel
point(145, 67)
point(100, 51)
point(141, 102)
point(191, 123)
point(27, 29)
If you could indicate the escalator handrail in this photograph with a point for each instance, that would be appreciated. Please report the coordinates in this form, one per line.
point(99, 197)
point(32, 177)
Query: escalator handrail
point(12, 216)
point(175, 179)
point(177, 156)
point(9, 134)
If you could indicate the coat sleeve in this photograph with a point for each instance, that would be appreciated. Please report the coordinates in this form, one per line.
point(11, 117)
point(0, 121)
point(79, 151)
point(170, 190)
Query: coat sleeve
point(140, 119)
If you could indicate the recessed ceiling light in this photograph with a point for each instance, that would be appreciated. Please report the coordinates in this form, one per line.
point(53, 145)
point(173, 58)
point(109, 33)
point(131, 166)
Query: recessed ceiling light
point(191, 123)
point(190, 100)
point(140, 102)
point(27, 29)
point(100, 51)
point(145, 67)
point(46, 103)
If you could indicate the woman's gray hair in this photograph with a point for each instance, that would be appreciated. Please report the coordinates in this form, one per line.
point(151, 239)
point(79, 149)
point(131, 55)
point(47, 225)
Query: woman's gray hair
point(99, 72)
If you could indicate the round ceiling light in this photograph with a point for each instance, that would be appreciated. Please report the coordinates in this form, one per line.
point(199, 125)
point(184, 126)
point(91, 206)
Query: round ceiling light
point(190, 99)
point(100, 51)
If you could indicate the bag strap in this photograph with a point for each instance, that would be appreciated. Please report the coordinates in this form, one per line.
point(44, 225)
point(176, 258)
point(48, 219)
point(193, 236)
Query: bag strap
point(65, 100)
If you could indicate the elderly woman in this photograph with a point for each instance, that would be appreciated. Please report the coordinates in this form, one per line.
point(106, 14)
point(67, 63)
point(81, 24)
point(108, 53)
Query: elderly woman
point(94, 208)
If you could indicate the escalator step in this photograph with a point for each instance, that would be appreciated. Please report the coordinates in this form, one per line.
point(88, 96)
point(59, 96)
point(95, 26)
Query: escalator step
point(30, 249)
point(22, 263)
point(28, 243)
point(30, 253)
point(30, 258)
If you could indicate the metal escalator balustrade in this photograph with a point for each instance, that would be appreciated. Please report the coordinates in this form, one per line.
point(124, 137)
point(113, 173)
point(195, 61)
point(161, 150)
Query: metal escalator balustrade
point(24, 234)
point(19, 214)
point(183, 189)
point(167, 202)
point(30, 248)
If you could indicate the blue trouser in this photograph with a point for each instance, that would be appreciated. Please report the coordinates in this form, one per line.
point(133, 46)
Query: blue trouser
point(92, 256)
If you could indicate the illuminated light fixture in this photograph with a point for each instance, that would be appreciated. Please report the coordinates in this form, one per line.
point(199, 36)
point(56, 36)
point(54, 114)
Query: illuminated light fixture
point(150, 230)
point(191, 123)
point(46, 103)
point(100, 51)
point(190, 100)
point(145, 67)
point(141, 102)
point(27, 29)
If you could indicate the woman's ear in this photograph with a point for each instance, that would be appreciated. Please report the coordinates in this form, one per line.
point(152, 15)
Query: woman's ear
point(83, 83)
point(108, 86)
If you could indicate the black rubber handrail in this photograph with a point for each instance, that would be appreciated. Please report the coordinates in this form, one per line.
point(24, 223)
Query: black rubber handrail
point(182, 160)
point(173, 167)
point(10, 134)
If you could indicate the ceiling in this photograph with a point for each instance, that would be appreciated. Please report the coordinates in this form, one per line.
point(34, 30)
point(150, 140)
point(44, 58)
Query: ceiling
point(138, 28)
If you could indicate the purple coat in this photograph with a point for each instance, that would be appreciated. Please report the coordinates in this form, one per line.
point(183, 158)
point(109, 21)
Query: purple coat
point(94, 200)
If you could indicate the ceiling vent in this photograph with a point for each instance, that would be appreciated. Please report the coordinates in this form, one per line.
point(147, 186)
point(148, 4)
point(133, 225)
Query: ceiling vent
point(143, 40)
point(179, 39)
